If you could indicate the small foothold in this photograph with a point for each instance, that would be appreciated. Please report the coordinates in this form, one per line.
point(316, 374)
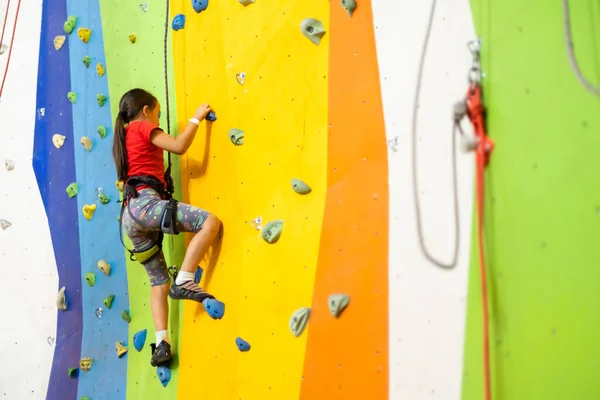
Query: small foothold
point(90, 278)
point(70, 24)
point(3, 48)
point(72, 372)
point(132, 38)
point(85, 364)
point(214, 308)
point(61, 300)
point(164, 374)
point(178, 22)
point(102, 198)
point(104, 267)
point(246, 2)
point(101, 99)
point(272, 231)
point(300, 187)
point(86, 142)
point(99, 69)
point(198, 275)
point(144, 7)
point(211, 116)
point(313, 29)
point(299, 320)
point(349, 6)
point(108, 301)
point(72, 189)
point(72, 96)
point(58, 140)
point(236, 136)
point(84, 34)
point(4, 224)
point(121, 350)
point(120, 185)
point(85, 398)
point(98, 312)
point(87, 60)
point(200, 5)
point(337, 303)
point(9, 165)
point(88, 211)
point(101, 131)
point(242, 345)
point(240, 78)
point(59, 41)
point(256, 223)
point(139, 338)
point(125, 316)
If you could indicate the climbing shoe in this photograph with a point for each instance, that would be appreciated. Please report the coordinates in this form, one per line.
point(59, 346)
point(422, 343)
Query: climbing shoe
point(189, 291)
point(160, 353)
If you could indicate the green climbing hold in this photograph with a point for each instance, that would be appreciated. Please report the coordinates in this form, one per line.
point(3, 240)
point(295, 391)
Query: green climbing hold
point(299, 320)
point(87, 60)
point(72, 97)
point(73, 189)
point(313, 29)
point(103, 198)
point(72, 372)
point(246, 3)
point(102, 131)
point(236, 136)
point(300, 187)
point(108, 301)
point(90, 278)
point(85, 398)
point(272, 231)
point(70, 24)
point(349, 6)
point(101, 99)
point(125, 316)
point(337, 303)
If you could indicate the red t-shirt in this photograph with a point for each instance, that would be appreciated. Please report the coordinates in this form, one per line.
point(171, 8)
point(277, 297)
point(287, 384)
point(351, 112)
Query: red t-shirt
point(143, 158)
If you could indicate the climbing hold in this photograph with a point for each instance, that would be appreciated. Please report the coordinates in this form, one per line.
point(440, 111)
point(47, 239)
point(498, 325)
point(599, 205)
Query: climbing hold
point(90, 278)
point(125, 316)
point(108, 301)
point(214, 308)
point(236, 136)
point(103, 198)
point(4, 224)
point(85, 364)
point(121, 350)
point(300, 187)
point(132, 38)
point(99, 69)
point(119, 185)
point(84, 34)
point(178, 22)
point(59, 40)
point(337, 303)
point(101, 99)
point(72, 189)
point(211, 116)
point(88, 211)
point(9, 165)
point(61, 300)
point(272, 231)
point(98, 312)
point(164, 374)
point(313, 29)
point(101, 131)
point(257, 223)
point(87, 60)
point(58, 140)
point(139, 338)
point(240, 78)
point(299, 320)
point(246, 2)
point(241, 344)
point(86, 142)
point(72, 96)
point(198, 275)
point(104, 267)
point(3, 48)
point(70, 24)
point(144, 7)
point(199, 5)
point(72, 372)
point(349, 6)
point(85, 398)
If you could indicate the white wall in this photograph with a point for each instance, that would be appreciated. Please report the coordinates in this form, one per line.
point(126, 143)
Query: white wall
point(427, 304)
point(29, 278)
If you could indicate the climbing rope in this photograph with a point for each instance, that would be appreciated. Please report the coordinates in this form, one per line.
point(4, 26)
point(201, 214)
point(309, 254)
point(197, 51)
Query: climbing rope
point(4, 24)
point(569, 40)
point(12, 41)
point(168, 177)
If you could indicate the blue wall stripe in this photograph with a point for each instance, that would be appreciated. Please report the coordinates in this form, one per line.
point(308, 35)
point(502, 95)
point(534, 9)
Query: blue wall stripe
point(54, 170)
point(99, 237)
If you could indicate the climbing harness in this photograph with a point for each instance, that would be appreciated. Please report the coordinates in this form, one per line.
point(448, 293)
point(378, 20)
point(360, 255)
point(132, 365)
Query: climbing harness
point(12, 41)
point(569, 41)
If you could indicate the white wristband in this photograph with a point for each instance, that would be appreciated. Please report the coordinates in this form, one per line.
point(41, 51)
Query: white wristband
point(195, 121)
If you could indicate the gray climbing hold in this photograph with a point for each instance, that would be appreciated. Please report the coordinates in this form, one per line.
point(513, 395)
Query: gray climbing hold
point(349, 6)
point(3, 48)
point(58, 140)
point(108, 301)
point(337, 303)
point(4, 224)
point(246, 3)
point(104, 267)
point(272, 231)
point(87, 60)
point(9, 165)
point(72, 189)
point(72, 96)
point(90, 278)
point(125, 316)
point(70, 24)
point(299, 320)
point(101, 99)
point(85, 364)
point(300, 187)
point(236, 136)
point(178, 22)
point(61, 300)
point(86, 143)
point(121, 350)
point(102, 131)
point(313, 29)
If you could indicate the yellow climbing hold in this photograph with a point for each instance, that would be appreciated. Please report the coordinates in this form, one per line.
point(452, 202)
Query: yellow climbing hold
point(58, 140)
point(121, 350)
point(119, 185)
point(132, 38)
point(84, 34)
point(88, 211)
point(104, 267)
point(87, 143)
point(100, 69)
point(85, 364)
point(59, 41)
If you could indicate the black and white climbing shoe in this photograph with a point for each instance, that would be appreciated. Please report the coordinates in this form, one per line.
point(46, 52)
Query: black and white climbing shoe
point(160, 353)
point(189, 290)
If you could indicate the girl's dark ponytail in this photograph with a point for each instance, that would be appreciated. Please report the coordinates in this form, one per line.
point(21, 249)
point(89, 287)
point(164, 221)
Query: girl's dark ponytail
point(119, 150)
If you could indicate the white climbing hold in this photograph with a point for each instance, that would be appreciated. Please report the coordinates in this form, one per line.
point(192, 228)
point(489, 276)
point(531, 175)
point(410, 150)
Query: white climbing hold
point(41, 112)
point(256, 223)
point(59, 41)
point(299, 320)
point(87, 143)
point(4, 224)
point(393, 144)
point(144, 7)
point(9, 164)
point(337, 303)
point(3, 48)
point(58, 140)
point(61, 301)
point(240, 78)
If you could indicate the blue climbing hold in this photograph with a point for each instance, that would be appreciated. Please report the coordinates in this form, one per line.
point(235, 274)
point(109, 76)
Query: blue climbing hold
point(214, 308)
point(139, 338)
point(164, 374)
point(199, 5)
point(178, 22)
point(198, 275)
point(211, 116)
point(242, 345)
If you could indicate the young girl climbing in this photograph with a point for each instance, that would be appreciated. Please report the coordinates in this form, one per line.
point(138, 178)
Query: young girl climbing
point(148, 210)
